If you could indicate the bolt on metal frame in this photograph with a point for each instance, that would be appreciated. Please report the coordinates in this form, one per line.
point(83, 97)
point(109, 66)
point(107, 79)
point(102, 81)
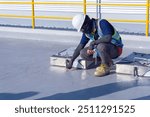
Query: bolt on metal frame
point(84, 4)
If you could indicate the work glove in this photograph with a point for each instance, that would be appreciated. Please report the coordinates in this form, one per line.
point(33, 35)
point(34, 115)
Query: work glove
point(69, 64)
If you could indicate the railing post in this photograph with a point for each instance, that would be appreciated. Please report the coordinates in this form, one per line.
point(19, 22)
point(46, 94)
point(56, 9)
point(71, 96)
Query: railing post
point(33, 15)
point(98, 9)
point(147, 18)
point(84, 6)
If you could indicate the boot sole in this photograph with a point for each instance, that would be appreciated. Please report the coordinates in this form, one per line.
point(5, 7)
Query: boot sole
point(101, 75)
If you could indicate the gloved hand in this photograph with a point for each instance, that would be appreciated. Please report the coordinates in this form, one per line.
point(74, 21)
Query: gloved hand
point(69, 64)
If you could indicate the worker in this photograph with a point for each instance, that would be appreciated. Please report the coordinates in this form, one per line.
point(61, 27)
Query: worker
point(105, 42)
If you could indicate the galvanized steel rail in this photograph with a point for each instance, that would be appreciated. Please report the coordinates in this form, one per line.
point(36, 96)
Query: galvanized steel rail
point(84, 4)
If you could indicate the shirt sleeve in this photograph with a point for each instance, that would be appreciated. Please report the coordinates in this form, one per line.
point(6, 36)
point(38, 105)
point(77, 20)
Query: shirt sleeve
point(81, 45)
point(106, 27)
point(84, 39)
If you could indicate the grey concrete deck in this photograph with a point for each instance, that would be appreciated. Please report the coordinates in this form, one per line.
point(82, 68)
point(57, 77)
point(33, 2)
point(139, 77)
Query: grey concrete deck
point(25, 72)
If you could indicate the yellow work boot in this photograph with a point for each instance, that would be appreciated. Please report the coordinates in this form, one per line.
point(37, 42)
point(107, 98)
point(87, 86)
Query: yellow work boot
point(102, 70)
point(110, 65)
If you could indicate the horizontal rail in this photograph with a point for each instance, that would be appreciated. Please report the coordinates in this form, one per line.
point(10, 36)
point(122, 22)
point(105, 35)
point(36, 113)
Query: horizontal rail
point(15, 2)
point(129, 21)
point(53, 17)
point(116, 4)
point(67, 18)
point(90, 3)
point(76, 3)
point(14, 16)
point(40, 17)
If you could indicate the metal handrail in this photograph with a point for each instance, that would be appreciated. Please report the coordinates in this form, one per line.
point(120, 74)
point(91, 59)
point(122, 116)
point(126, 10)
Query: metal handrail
point(76, 3)
point(84, 4)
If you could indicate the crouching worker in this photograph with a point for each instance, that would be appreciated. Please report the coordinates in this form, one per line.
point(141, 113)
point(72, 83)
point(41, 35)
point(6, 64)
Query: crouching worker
point(105, 42)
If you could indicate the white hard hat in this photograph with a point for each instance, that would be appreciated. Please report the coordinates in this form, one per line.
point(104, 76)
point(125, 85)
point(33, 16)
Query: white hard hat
point(78, 21)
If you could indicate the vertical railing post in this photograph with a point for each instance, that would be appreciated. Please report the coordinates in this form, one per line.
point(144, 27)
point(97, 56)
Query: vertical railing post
point(98, 9)
point(33, 15)
point(84, 6)
point(147, 18)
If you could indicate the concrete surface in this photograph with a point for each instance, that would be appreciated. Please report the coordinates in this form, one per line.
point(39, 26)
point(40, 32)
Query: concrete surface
point(25, 72)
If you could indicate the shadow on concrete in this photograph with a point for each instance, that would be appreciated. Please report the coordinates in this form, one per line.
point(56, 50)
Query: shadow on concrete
point(93, 92)
point(18, 96)
point(143, 98)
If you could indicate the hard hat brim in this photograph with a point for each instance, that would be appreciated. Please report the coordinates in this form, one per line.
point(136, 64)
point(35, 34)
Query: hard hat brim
point(79, 30)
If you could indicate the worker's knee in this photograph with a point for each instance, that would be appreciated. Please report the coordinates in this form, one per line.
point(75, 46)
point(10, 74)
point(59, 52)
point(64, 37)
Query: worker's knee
point(102, 47)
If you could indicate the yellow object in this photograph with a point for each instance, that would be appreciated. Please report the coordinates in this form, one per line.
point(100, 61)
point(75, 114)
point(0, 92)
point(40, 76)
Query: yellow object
point(84, 6)
point(33, 15)
point(102, 70)
point(147, 18)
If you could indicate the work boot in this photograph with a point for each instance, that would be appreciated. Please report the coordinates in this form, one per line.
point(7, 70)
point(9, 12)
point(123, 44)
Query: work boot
point(102, 70)
point(109, 65)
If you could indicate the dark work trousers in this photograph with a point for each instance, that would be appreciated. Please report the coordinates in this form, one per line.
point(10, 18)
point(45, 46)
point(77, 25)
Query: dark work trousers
point(107, 52)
